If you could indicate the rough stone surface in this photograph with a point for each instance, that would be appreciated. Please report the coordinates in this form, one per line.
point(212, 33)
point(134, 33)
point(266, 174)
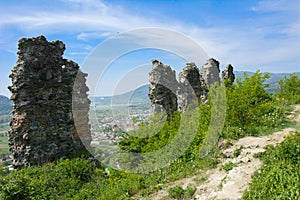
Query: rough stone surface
point(162, 88)
point(210, 71)
point(42, 126)
point(228, 74)
point(192, 89)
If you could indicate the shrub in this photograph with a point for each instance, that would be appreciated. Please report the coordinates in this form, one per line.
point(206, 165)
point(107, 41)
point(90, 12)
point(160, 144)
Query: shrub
point(178, 192)
point(289, 89)
point(51, 180)
point(237, 152)
point(250, 109)
point(228, 166)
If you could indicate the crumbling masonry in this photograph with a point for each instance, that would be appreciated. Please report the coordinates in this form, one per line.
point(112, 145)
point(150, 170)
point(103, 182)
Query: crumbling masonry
point(163, 88)
point(228, 74)
point(42, 126)
point(192, 87)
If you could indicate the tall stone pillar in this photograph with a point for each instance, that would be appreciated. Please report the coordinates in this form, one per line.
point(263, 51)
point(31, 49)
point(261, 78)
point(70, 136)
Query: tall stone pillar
point(228, 74)
point(210, 71)
point(192, 89)
point(42, 128)
point(163, 88)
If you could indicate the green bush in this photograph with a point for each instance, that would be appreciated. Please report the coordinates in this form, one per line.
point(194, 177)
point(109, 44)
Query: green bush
point(228, 166)
point(289, 89)
point(237, 152)
point(178, 192)
point(250, 109)
point(48, 181)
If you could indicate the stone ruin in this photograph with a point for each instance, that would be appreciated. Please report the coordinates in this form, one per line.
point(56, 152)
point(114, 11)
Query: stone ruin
point(210, 72)
point(42, 127)
point(228, 74)
point(192, 87)
point(163, 88)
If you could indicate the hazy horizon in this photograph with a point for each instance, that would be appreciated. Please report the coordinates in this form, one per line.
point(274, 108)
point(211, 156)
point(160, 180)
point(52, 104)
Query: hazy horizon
point(250, 34)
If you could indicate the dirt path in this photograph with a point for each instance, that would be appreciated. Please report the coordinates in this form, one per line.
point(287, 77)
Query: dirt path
point(220, 184)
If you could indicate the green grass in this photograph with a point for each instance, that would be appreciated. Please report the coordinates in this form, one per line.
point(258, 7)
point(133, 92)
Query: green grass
point(178, 192)
point(279, 178)
point(228, 166)
point(3, 144)
point(77, 178)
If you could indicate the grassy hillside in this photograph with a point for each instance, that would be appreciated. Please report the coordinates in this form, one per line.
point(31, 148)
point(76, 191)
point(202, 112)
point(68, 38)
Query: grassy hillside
point(272, 81)
point(135, 97)
point(279, 176)
point(250, 110)
point(5, 113)
point(5, 105)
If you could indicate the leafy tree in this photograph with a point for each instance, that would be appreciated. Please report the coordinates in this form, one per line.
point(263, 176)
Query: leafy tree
point(289, 89)
point(250, 109)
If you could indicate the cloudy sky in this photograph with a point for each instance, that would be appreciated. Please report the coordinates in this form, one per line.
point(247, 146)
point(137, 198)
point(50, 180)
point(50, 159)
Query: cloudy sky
point(249, 34)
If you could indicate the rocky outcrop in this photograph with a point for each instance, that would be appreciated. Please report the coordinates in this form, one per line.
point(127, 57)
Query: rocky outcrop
point(210, 72)
point(42, 126)
point(192, 89)
point(228, 74)
point(162, 88)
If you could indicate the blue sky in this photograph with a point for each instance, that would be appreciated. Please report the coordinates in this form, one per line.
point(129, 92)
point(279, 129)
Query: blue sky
point(249, 34)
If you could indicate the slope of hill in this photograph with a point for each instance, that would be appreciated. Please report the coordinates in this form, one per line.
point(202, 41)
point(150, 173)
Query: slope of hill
point(5, 110)
point(138, 98)
point(236, 169)
point(140, 95)
point(5, 105)
point(272, 81)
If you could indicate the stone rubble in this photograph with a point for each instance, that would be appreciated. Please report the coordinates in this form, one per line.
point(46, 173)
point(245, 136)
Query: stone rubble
point(42, 127)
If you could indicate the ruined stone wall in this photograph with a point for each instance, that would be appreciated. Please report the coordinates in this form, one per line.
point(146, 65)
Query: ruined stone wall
point(228, 74)
point(210, 71)
point(163, 88)
point(42, 126)
point(192, 89)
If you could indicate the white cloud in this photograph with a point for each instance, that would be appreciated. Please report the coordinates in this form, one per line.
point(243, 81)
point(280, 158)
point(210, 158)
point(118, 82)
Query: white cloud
point(86, 36)
point(247, 44)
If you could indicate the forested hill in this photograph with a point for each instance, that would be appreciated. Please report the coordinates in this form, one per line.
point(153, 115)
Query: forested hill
point(141, 94)
point(272, 81)
point(5, 105)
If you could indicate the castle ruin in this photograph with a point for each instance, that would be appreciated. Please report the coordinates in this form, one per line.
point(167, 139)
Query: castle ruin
point(191, 89)
point(42, 128)
point(163, 88)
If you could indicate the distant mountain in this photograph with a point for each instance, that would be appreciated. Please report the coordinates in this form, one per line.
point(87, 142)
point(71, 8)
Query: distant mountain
point(140, 95)
point(272, 81)
point(5, 105)
point(137, 98)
